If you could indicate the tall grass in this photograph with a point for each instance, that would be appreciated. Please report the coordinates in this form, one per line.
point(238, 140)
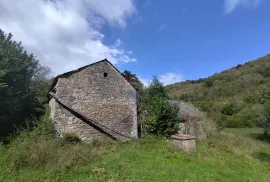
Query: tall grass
point(37, 155)
point(40, 149)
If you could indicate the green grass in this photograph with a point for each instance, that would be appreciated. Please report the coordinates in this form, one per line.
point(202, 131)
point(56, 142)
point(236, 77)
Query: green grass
point(39, 156)
point(244, 130)
point(226, 157)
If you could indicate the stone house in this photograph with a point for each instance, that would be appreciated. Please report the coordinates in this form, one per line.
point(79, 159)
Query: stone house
point(94, 101)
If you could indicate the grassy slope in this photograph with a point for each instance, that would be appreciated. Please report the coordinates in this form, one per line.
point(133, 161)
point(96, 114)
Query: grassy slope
point(251, 68)
point(230, 96)
point(228, 157)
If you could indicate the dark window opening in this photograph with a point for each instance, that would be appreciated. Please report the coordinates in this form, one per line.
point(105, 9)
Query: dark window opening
point(105, 74)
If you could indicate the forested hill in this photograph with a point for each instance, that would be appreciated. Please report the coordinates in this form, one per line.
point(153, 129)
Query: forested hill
point(237, 97)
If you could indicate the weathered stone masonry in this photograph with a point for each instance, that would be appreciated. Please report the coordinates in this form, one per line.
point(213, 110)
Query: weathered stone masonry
point(101, 93)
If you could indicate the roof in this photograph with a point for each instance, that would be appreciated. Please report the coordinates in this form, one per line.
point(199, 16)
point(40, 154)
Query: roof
point(187, 110)
point(54, 82)
point(184, 105)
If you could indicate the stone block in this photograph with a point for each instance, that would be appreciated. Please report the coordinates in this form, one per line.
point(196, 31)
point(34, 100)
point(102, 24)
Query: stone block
point(185, 142)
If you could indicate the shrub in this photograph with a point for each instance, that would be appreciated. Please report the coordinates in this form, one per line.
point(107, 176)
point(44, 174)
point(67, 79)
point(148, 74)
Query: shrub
point(262, 118)
point(159, 117)
point(44, 126)
point(209, 83)
point(238, 66)
point(234, 122)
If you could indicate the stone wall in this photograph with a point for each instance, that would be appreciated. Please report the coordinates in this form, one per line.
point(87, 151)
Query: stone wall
point(192, 121)
point(103, 95)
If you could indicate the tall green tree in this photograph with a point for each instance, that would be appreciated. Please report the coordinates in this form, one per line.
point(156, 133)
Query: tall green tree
point(159, 117)
point(21, 93)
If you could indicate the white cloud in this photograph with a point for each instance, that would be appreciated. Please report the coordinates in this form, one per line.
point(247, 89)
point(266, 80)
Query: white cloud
point(130, 52)
point(65, 34)
point(230, 5)
point(166, 79)
point(170, 78)
point(145, 82)
point(112, 10)
point(118, 43)
point(162, 27)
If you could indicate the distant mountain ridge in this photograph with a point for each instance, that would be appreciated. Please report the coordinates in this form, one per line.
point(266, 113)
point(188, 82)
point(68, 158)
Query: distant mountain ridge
point(237, 97)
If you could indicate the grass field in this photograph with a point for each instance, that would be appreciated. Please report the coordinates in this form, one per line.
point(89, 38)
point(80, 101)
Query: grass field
point(225, 157)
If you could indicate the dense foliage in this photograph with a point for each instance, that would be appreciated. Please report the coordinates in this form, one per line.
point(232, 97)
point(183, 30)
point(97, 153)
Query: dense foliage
point(158, 116)
point(23, 85)
point(238, 97)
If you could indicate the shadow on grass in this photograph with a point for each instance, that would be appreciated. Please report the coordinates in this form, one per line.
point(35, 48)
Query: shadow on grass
point(261, 137)
point(262, 156)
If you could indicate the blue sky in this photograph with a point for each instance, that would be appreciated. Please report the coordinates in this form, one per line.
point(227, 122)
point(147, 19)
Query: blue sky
point(175, 40)
point(195, 38)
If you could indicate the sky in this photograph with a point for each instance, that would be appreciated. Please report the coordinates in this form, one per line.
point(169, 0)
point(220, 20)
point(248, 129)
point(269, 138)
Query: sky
point(175, 40)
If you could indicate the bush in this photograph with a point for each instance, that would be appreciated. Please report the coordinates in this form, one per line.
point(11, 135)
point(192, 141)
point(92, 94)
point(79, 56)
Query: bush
point(159, 117)
point(209, 83)
point(44, 126)
point(262, 119)
point(234, 122)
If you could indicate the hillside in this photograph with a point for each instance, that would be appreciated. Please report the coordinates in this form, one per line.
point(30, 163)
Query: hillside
point(237, 97)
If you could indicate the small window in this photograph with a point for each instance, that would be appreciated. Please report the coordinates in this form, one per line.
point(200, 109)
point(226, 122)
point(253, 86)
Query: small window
point(105, 74)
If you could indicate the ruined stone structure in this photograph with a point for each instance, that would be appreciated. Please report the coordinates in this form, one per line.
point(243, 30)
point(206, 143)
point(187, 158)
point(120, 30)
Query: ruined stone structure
point(100, 93)
point(184, 142)
point(192, 121)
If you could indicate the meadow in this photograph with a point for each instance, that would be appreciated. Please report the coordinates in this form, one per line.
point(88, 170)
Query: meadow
point(228, 156)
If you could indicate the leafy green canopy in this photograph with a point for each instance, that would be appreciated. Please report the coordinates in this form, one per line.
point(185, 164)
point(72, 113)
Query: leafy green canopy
point(156, 116)
point(23, 85)
point(159, 117)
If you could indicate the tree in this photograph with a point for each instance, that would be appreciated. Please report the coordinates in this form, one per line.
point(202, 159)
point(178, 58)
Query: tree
point(262, 118)
point(20, 75)
point(209, 83)
point(159, 117)
point(133, 80)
